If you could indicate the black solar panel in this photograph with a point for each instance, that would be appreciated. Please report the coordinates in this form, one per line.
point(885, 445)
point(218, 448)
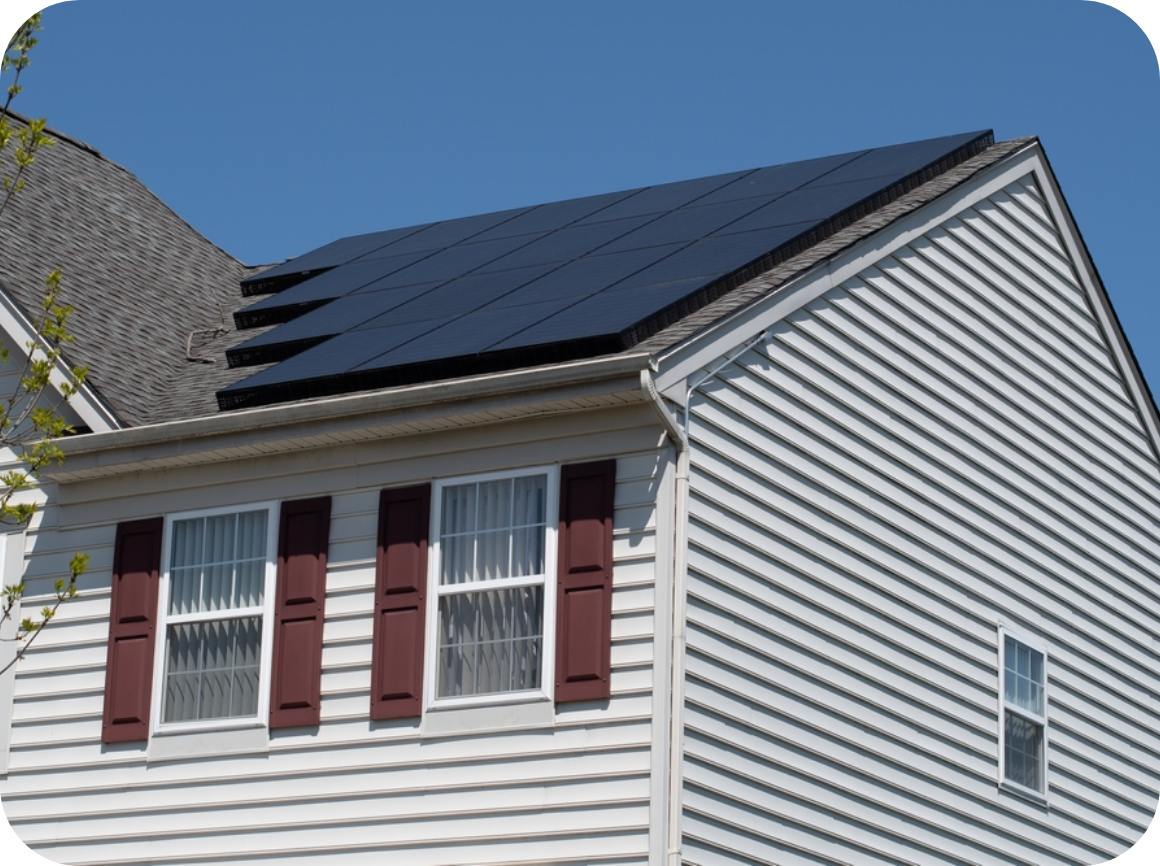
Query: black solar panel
point(555, 282)
point(332, 255)
point(604, 314)
point(779, 179)
point(895, 162)
point(463, 295)
point(446, 234)
point(812, 205)
point(567, 244)
point(664, 198)
point(466, 335)
point(549, 217)
point(685, 224)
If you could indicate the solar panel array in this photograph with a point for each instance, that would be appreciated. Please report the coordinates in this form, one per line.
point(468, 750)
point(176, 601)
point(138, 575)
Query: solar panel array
point(561, 281)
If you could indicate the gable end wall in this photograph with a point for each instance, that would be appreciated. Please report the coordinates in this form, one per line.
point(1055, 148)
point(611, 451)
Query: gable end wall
point(937, 446)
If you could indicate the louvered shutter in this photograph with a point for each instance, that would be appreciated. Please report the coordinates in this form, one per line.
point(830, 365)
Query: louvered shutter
point(303, 536)
point(400, 603)
point(132, 631)
point(584, 582)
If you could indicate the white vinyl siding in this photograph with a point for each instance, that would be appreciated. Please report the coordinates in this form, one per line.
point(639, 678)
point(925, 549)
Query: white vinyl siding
point(352, 791)
point(937, 447)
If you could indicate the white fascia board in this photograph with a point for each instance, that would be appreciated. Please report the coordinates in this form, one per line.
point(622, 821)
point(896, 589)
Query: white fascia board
point(1089, 278)
point(92, 411)
point(119, 450)
point(679, 362)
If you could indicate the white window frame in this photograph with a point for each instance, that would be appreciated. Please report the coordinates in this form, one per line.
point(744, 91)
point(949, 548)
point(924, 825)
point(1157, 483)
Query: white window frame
point(1005, 707)
point(548, 653)
point(266, 611)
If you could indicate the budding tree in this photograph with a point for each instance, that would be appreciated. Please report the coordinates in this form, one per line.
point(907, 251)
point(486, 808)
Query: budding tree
point(31, 418)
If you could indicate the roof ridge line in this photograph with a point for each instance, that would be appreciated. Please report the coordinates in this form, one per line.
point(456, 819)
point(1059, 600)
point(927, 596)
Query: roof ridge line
point(56, 133)
point(88, 148)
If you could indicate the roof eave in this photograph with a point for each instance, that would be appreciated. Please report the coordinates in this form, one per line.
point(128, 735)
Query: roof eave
point(296, 426)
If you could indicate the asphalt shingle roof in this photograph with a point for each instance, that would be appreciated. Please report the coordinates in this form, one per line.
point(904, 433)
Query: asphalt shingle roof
point(144, 283)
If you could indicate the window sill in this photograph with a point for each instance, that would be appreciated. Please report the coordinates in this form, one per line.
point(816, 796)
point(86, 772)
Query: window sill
point(192, 745)
point(1028, 794)
point(528, 714)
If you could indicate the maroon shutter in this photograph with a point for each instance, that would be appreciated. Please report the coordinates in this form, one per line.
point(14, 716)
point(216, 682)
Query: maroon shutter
point(584, 582)
point(400, 603)
point(132, 631)
point(303, 536)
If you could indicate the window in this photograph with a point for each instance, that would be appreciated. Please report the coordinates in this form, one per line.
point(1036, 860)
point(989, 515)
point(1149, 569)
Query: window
point(494, 553)
point(1023, 728)
point(215, 618)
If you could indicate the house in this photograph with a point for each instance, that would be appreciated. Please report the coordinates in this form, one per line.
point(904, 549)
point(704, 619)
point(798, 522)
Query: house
point(799, 515)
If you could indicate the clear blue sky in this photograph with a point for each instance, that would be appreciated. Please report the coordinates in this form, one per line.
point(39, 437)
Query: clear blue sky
point(273, 127)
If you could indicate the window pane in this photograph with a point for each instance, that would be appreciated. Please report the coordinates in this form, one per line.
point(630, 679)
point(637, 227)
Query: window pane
point(211, 670)
point(252, 535)
point(527, 551)
point(491, 641)
point(495, 504)
point(530, 507)
point(249, 583)
point(493, 555)
point(1023, 756)
point(185, 565)
point(217, 563)
point(458, 509)
point(493, 530)
point(457, 559)
point(1024, 677)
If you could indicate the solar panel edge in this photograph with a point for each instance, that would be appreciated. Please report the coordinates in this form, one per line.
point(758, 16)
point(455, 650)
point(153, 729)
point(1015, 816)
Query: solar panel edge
point(236, 397)
point(241, 356)
point(248, 320)
point(257, 285)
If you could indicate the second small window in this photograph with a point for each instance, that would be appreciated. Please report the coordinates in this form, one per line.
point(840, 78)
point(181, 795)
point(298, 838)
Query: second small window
point(1024, 715)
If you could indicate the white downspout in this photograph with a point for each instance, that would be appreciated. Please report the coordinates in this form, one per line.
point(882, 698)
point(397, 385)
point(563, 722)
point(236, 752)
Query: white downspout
point(679, 433)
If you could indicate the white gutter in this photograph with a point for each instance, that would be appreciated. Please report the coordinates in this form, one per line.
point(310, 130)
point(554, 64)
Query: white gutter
point(679, 433)
point(352, 410)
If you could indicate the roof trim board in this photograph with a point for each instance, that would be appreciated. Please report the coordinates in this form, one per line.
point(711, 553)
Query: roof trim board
point(267, 429)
